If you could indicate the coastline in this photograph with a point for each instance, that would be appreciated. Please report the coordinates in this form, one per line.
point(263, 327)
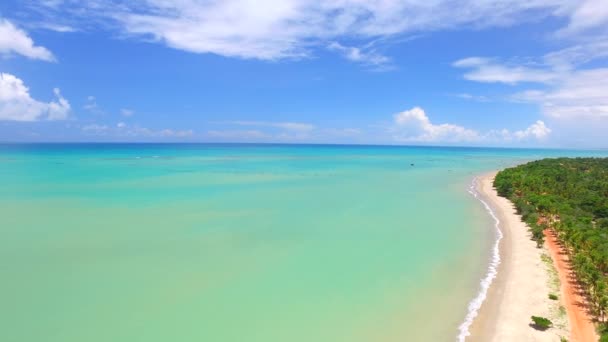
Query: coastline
point(522, 284)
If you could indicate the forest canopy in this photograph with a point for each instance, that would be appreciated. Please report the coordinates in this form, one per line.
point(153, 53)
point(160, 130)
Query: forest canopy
point(569, 196)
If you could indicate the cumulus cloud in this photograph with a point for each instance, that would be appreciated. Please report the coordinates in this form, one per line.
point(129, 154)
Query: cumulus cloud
point(414, 125)
point(16, 41)
point(537, 130)
point(16, 104)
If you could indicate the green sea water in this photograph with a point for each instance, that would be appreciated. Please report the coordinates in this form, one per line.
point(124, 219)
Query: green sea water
point(240, 243)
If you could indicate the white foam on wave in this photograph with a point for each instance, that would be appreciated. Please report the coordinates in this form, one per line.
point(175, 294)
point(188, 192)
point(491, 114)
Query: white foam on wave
point(475, 304)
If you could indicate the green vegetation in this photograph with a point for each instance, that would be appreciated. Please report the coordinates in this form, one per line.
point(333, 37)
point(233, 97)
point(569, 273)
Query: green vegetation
point(552, 296)
point(569, 197)
point(603, 331)
point(541, 323)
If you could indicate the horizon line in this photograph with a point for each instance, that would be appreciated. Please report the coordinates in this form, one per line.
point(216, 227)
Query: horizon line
point(292, 144)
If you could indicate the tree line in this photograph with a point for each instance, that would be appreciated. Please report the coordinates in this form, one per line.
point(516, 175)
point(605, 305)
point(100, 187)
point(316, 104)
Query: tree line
point(570, 197)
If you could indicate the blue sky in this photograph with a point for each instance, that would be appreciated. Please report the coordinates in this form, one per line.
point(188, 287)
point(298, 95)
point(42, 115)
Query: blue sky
point(486, 73)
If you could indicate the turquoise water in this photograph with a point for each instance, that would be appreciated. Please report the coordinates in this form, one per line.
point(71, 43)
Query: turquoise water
point(242, 242)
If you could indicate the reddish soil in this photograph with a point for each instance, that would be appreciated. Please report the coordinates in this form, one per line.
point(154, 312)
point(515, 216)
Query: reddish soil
point(581, 322)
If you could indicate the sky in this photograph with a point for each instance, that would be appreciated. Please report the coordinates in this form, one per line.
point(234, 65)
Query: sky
point(518, 73)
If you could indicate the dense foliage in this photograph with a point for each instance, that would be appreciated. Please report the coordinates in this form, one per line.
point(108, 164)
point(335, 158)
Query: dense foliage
point(569, 196)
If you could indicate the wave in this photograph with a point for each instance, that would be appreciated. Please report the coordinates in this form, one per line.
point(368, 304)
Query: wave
point(475, 304)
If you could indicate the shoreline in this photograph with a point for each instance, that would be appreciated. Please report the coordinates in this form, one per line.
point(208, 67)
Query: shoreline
point(521, 286)
point(492, 270)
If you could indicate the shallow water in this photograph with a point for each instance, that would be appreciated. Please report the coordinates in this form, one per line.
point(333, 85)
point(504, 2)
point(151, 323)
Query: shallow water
point(242, 242)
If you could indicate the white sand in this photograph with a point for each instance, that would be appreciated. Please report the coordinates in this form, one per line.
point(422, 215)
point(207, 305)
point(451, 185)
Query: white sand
point(522, 286)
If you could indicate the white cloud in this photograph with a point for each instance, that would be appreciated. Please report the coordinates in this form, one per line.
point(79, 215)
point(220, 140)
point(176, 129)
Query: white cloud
point(365, 55)
point(415, 126)
point(121, 125)
point(16, 41)
point(580, 94)
point(16, 104)
point(58, 110)
point(271, 30)
point(572, 82)
point(57, 28)
point(578, 54)
point(589, 14)
point(471, 62)
point(537, 130)
point(565, 90)
point(488, 71)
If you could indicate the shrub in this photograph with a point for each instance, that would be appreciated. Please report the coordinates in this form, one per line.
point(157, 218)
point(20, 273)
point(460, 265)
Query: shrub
point(552, 296)
point(541, 323)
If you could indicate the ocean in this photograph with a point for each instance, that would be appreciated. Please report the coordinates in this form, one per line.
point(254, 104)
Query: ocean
point(237, 242)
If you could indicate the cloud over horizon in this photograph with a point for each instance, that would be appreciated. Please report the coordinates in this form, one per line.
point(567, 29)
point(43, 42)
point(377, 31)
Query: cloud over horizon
point(16, 104)
point(414, 125)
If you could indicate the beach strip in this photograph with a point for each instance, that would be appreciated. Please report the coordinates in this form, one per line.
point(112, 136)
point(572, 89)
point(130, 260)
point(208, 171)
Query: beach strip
point(522, 285)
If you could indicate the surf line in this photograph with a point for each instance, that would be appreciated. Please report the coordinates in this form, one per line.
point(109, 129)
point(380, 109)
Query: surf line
point(475, 303)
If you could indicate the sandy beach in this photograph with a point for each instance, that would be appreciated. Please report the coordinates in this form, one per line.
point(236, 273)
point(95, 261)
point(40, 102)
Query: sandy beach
point(522, 285)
